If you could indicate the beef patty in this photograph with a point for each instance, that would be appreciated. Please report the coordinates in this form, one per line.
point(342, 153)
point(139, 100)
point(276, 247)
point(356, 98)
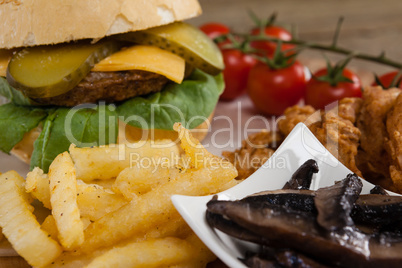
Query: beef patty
point(109, 87)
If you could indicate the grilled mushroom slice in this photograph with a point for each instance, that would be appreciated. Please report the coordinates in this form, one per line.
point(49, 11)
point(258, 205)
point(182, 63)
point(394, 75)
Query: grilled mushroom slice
point(334, 203)
point(302, 177)
point(378, 190)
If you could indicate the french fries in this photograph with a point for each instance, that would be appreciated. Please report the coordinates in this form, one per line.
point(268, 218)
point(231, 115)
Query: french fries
point(106, 184)
point(147, 210)
point(193, 149)
point(106, 200)
point(20, 225)
point(63, 199)
point(135, 181)
point(37, 183)
point(50, 227)
point(187, 252)
point(107, 162)
point(150, 253)
point(175, 227)
point(109, 212)
point(201, 254)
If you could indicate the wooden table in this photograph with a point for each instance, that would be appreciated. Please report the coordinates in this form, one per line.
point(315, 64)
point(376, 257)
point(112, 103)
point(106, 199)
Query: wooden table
point(370, 26)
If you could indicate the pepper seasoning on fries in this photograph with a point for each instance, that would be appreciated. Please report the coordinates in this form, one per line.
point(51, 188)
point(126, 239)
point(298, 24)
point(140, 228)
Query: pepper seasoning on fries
point(107, 212)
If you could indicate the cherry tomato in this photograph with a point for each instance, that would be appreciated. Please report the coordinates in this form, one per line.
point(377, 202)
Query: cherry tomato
point(387, 79)
point(214, 29)
point(270, 47)
point(273, 90)
point(320, 93)
point(235, 74)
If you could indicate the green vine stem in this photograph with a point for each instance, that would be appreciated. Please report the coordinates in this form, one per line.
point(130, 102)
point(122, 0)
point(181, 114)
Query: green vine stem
point(247, 39)
point(381, 59)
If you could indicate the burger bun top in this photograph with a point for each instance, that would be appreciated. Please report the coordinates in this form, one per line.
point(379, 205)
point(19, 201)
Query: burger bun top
point(41, 22)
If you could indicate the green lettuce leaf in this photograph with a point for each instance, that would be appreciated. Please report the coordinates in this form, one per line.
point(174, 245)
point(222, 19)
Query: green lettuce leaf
point(84, 126)
point(190, 103)
point(15, 96)
point(15, 121)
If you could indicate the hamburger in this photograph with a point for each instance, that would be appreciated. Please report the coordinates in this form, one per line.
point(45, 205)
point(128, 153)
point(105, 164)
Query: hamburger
point(76, 72)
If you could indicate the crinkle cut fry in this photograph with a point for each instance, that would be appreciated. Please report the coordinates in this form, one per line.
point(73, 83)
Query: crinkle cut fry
point(20, 226)
point(155, 206)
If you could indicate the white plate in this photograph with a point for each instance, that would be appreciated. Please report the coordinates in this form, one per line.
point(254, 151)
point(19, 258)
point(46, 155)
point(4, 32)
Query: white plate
point(299, 146)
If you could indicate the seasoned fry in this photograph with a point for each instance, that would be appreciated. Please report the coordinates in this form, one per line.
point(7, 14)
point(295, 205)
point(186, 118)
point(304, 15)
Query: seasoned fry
point(106, 162)
point(155, 206)
point(86, 222)
point(72, 259)
point(106, 184)
point(229, 185)
point(175, 227)
point(63, 198)
point(187, 252)
point(150, 253)
point(21, 182)
point(50, 227)
point(106, 200)
point(20, 225)
point(37, 183)
point(137, 180)
point(201, 253)
point(192, 148)
point(122, 214)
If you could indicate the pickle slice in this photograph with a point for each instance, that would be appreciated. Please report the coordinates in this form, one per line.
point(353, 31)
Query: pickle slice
point(184, 40)
point(48, 71)
point(5, 57)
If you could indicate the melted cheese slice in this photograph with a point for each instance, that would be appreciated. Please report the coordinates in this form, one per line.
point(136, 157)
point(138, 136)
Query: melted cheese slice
point(146, 58)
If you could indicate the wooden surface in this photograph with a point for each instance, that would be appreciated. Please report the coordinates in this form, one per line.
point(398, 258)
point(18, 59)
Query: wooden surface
point(370, 26)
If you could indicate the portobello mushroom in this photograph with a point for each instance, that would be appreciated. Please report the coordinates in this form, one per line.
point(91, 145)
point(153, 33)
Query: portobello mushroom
point(299, 231)
point(290, 258)
point(233, 229)
point(334, 203)
point(371, 210)
point(298, 227)
point(316, 224)
point(300, 200)
point(375, 209)
point(302, 177)
point(378, 190)
point(257, 261)
point(279, 258)
point(293, 229)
